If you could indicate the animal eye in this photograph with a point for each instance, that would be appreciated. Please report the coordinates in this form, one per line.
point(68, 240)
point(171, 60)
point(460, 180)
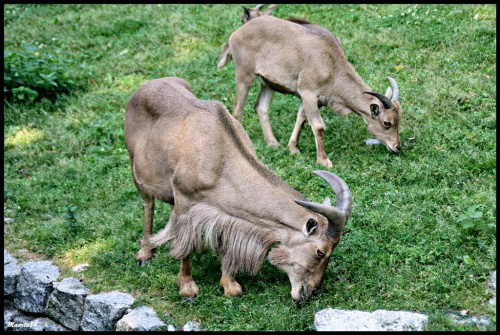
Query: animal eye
point(320, 253)
point(387, 124)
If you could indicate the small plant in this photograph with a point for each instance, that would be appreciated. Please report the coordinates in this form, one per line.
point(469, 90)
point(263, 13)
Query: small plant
point(31, 73)
point(472, 219)
point(72, 216)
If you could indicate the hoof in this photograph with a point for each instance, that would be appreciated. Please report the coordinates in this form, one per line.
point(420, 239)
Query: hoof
point(273, 144)
point(325, 162)
point(141, 262)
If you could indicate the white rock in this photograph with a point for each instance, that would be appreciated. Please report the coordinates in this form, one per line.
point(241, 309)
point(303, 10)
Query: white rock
point(482, 320)
point(170, 328)
point(330, 319)
point(140, 319)
point(8, 220)
point(492, 285)
point(191, 326)
point(80, 267)
point(372, 141)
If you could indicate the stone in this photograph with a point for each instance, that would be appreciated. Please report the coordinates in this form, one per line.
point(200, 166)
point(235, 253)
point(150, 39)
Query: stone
point(80, 267)
point(191, 326)
point(11, 272)
point(372, 141)
point(481, 320)
point(140, 319)
point(170, 328)
point(7, 257)
point(66, 302)
point(492, 285)
point(34, 286)
point(32, 323)
point(330, 319)
point(8, 220)
point(9, 314)
point(102, 311)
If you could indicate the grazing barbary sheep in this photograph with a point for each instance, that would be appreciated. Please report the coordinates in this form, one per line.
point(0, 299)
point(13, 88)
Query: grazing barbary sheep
point(194, 155)
point(306, 61)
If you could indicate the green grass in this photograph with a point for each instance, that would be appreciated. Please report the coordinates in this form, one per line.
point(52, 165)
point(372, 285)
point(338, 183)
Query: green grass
point(404, 247)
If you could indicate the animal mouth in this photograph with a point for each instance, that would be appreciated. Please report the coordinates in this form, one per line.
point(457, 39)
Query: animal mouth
point(392, 151)
point(304, 293)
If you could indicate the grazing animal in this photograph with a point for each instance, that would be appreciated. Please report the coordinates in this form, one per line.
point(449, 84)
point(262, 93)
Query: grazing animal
point(309, 63)
point(194, 155)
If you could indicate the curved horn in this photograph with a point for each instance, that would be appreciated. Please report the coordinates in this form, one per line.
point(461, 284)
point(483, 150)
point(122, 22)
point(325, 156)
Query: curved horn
point(245, 8)
point(385, 100)
point(259, 7)
point(337, 216)
point(395, 89)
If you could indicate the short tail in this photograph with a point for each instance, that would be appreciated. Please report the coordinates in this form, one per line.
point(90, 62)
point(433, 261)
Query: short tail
point(224, 57)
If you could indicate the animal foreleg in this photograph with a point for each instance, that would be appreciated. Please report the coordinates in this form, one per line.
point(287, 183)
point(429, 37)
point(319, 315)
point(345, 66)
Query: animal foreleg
point(187, 286)
point(146, 251)
point(299, 123)
point(231, 287)
point(262, 109)
point(318, 127)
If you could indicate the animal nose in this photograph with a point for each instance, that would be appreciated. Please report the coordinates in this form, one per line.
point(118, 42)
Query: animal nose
point(398, 147)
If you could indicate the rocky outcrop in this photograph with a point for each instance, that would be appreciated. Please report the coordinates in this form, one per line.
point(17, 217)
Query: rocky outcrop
point(42, 304)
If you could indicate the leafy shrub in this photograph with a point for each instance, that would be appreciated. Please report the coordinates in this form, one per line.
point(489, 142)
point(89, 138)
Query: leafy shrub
point(31, 73)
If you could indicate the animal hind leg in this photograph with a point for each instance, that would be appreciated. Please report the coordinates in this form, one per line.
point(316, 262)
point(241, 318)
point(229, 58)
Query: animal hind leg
point(317, 126)
point(186, 284)
point(262, 109)
point(299, 123)
point(231, 287)
point(146, 252)
point(243, 84)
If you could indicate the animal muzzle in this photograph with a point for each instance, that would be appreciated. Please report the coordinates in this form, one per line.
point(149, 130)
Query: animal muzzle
point(395, 149)
point(305, 293)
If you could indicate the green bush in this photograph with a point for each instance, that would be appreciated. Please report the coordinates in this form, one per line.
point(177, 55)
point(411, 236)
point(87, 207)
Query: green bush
point(32, 73)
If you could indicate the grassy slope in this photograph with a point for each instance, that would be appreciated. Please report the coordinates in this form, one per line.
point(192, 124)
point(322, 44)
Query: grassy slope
point(402, 249)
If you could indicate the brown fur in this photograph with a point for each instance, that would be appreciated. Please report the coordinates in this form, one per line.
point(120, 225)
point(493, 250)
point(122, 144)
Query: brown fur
point(305, 60)
point(242, 244)
point(194, 155)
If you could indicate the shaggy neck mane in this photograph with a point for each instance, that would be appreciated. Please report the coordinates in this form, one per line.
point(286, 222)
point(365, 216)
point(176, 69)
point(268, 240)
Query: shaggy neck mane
point(242, 244)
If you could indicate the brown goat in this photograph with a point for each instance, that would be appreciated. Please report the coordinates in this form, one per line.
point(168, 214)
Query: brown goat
point(309, 63)
point(194, 155)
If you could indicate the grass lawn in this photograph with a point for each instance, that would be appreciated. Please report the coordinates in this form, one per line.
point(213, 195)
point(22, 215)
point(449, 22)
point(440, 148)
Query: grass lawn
point(422, 233)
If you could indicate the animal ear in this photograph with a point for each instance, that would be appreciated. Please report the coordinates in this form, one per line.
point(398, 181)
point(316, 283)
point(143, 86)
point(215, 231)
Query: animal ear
point(269, 10)
point(375, 110)
point(388, 93)
point(311, 225)
point(279, 255)
point(247, 12)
